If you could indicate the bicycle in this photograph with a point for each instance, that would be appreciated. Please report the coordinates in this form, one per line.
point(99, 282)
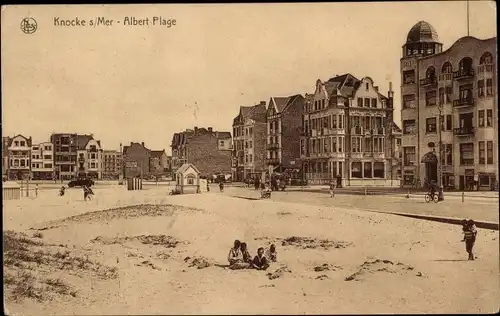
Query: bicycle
point(428, 198)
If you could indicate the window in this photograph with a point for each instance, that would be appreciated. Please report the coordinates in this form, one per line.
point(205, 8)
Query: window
point(356, 145)
point(489, 87)
point(47, 157)
point(441, 122)
point(92, 156)
point(430, 98)
point(334, 144)
point(409, 156)
point(482, 153)
point(23, 163)
point(481, 118)
point(480, 88)
point(486, 58)
point(447, 68)
point(465, 92)
point(449, 124)
point(374, 102)
point(489, 152)
point(467, 154)
point(378, 170)
point(430, 125)
point(367, 86)
point(341, 144)
point(409, 76)
point(341, 121)
point(356, 170)
point(16, 143)
point(23, 143)
point(409, 127)
point(190, 181)
point(334, 121)
point(489, 118)
point(34, 148)
point(360, 102)
point(409, 101)
point(367, 102)
point(447, 155)
point(367, 169)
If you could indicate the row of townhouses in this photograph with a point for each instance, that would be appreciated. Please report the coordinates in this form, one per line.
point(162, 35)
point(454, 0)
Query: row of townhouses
point(69, 155)
point(345, 130)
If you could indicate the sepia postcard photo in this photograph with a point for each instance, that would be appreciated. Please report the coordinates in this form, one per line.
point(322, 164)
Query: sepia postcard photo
point(250, 158)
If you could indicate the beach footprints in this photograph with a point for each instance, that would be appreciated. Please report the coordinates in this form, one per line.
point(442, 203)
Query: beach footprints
point(314, 243)
point(382, 266)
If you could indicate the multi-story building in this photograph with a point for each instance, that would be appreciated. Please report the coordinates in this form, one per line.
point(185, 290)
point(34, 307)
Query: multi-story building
point(19, 148)
point(348, 134)
point(89, 157)
point(249, 142)
point(159, 163)
point(112, 164)
point(136, 158)
point(208, 150)
point(42, 161)
point(284, 122)
point(65, 155)
point(449, 98)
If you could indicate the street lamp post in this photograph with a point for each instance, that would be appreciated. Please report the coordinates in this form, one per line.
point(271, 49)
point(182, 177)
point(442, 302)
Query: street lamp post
point(440, 164)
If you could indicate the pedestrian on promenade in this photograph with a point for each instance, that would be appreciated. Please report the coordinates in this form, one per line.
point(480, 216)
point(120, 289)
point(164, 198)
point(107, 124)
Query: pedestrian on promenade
point(36, 190)
point(332, 189)
point(221, 186)
point(470, 233)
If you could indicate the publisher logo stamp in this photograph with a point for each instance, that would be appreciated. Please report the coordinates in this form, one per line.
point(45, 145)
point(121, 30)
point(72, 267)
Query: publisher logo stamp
point(28, 26)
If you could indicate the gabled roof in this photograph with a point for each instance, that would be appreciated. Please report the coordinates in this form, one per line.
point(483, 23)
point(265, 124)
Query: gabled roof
point(28, 140)
point(185, 167)
point(346, 84)
point(82, 141)
point(282, 103)
point(157, 153)
point(224, 135)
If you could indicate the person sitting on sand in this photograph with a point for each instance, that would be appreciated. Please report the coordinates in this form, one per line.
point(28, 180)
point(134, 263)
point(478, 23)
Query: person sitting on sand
point(260, 261)
point(244, 251)
point(235, 254)
point(271, 254)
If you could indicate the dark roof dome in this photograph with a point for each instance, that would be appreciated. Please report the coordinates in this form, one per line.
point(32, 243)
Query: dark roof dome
point(422, 32)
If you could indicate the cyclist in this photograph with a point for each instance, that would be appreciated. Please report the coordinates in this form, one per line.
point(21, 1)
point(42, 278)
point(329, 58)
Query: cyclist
point(432, 190)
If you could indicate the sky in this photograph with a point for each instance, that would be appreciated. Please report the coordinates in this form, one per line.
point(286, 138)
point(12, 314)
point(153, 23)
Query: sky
point(143, 83)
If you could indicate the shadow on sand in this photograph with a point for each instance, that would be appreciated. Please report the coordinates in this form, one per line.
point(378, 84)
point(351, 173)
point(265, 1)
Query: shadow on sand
point(450, 260)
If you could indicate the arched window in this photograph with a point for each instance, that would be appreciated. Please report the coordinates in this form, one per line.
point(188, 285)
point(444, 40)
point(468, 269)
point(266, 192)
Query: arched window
point(447, 68)
point(487, 58)
point(430, 73)
point(465, 64)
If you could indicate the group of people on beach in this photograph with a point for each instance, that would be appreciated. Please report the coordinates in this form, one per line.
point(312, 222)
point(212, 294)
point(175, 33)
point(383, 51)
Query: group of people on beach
point(239, 257)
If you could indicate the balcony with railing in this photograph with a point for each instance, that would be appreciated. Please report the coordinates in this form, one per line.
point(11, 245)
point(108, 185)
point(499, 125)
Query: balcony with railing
point(485, 68)
point(273, 161)
point(463, 102)
point(378, 131)
point(446, 77)
point(357, 130)
point(356, 155)
point(273, 146)
point(378, 155)
point(429, 81)
point(463, 74)
point(464, 131)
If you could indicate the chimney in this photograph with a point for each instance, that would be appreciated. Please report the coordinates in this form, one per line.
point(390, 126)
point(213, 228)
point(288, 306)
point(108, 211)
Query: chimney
point(142, 143)
point(376, 88)
point(131, 143)
point(262, 102)
point(121, 148)
point(390, 94)
point(196, 130)
point(210, 129)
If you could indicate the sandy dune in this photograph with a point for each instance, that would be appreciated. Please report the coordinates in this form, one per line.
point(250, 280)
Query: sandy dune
point(169, 259)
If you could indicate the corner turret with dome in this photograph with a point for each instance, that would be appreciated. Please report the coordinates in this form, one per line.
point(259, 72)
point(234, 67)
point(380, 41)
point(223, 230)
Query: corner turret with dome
point(422, 40)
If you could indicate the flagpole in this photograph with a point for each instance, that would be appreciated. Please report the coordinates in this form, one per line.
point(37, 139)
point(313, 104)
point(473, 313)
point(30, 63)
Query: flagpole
point(468, 18)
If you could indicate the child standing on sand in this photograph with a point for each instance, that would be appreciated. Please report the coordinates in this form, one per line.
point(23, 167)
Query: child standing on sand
point(332, 189)
point(470, 233)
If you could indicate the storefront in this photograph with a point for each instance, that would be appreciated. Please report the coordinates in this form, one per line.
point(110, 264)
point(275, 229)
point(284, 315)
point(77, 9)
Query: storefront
point(486, 181)
point(448, 180)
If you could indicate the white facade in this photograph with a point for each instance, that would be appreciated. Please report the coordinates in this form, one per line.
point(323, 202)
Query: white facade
point(42, 161)
point(19, 157)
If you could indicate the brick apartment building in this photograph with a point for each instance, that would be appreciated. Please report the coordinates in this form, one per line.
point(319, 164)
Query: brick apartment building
point(249, 142)
point(284, 124)
point(65, 155)
point(159, 163)
point(136, 160)
point(208, 150)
